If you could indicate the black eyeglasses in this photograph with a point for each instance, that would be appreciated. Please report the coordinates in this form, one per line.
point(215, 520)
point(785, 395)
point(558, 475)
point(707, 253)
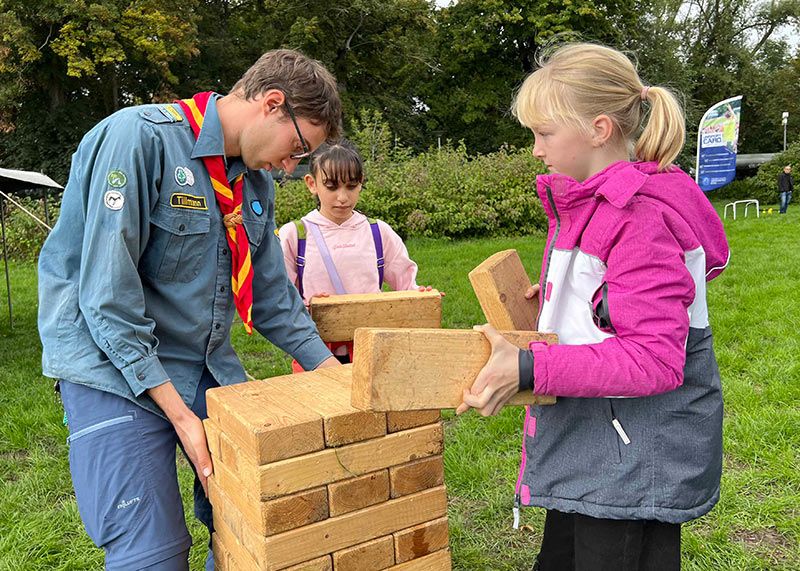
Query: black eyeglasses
point(306, 151)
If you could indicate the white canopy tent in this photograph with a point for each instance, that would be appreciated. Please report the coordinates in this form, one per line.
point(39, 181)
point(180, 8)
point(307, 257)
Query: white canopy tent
point(11, 182)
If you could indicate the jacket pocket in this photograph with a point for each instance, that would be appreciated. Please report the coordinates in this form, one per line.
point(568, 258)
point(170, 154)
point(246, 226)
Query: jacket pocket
point(178, 240)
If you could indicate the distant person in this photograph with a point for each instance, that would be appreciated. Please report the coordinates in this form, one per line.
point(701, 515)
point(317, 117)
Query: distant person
point(785, 187)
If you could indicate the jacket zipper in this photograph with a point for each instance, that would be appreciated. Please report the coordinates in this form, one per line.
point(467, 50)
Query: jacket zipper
point(543, 278)
point(542, 282)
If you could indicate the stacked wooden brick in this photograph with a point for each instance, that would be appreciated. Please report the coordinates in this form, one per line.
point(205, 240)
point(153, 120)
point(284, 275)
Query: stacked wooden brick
point(304, 481)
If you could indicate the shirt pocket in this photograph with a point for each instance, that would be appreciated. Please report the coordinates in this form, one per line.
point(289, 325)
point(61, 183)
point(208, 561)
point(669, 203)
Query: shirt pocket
point(255, 227)
point(178, 240)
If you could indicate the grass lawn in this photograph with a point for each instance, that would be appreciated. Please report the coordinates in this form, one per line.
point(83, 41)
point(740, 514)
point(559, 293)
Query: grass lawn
point(754, 311)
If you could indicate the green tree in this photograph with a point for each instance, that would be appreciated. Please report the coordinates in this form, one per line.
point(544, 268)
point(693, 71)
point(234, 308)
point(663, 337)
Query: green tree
point(65, 64)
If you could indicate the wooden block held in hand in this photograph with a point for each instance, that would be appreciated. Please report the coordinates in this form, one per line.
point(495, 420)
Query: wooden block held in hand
point(370, 556)
point(338, 316)
point(405, 419)
point(416, 476)
point(411, 369)
point(421, 540)
point(357, 493)
point(500, 283)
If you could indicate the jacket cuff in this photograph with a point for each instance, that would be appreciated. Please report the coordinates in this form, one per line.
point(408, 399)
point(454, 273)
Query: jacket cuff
point(525, 370)
point(312, 353)
point(539, 366)
point(144, 374)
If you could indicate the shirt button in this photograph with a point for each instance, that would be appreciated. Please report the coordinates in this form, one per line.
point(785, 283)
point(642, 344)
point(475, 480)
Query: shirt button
point(140, 376)
point(221, 289)
point(217, 326)
point(224, 252)
point(182, 227)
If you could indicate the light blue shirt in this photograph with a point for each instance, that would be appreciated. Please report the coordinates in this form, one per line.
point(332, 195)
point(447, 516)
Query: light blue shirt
point(134, 280)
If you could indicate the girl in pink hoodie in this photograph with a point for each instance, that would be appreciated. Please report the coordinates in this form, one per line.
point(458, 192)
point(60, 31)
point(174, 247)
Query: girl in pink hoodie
point(334, 248)
point(633, 447)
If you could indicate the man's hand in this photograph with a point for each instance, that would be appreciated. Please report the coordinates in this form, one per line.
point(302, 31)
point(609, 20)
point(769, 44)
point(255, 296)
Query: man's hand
point(188, 427)
point(330, 362)
point(498, 381)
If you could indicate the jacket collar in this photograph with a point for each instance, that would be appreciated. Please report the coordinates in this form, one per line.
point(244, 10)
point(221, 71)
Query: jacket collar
point(617, 183)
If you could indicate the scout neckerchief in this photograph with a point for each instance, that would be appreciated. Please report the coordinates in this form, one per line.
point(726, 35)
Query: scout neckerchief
point(230, 203)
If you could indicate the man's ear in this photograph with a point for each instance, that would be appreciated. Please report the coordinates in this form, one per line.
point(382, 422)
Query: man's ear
point(602, 130)
point(272, 100)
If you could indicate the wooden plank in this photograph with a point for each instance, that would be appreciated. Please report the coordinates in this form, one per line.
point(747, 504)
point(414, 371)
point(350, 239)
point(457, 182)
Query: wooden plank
point(338, 316)
point(439, 561)
point(353, 528)
point(238, 557)
point(421, 540)
point(263, 422)
point(405, 419)
point(220, 554)
point(416, 476)
point(358, 493)
point(500, 283)
point(272, 516)
point(410, 369)
point(328, 394)
point(370, 556)
point(323, 563)
point(335, 464)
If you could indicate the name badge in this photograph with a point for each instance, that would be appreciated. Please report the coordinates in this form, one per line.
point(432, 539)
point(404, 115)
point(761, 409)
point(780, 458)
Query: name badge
point(181, 200)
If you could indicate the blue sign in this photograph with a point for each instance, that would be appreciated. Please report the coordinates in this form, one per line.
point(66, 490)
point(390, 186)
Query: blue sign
point(717, 144)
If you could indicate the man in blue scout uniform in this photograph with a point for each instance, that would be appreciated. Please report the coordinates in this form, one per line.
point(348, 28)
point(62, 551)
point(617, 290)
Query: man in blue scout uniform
point(135, 300)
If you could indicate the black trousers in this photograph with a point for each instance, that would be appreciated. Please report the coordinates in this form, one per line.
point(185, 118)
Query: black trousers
point(575, 542)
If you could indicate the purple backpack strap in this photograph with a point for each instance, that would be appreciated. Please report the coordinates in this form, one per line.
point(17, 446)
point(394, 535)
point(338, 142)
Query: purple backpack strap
point(300, 260)
point(376, 237)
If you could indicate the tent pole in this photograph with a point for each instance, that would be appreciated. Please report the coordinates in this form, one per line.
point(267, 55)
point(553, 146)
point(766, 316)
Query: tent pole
point(5, 261)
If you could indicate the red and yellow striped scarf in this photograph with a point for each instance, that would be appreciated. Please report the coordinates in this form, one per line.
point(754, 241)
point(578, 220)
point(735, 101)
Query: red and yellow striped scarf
point(230, 203)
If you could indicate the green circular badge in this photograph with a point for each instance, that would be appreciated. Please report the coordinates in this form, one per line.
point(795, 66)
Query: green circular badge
point(117, 179)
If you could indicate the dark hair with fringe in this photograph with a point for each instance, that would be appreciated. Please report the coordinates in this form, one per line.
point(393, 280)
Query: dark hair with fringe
point(338, 162)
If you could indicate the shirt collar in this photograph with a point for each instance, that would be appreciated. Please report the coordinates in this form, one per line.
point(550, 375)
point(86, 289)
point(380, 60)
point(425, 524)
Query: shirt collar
point(211, 142)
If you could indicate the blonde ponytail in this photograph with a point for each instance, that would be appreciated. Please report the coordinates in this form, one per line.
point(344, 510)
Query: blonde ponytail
point(579, 82)
point(665, 131)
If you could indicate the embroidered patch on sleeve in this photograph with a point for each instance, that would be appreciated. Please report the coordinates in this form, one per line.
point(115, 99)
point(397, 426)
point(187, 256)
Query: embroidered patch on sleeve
point(182, 200)
point(114, 200)
point(116, 179)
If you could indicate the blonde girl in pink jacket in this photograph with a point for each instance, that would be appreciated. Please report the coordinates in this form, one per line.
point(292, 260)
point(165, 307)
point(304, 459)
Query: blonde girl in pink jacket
point(334, 248)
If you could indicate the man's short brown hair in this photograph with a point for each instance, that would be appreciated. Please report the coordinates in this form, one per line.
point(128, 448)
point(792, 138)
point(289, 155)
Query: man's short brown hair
point(309, 87)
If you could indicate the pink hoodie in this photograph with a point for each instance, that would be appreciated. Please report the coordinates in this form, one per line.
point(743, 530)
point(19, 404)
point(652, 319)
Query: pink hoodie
point(353, 252)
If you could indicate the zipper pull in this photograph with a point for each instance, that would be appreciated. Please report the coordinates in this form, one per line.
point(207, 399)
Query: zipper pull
point(516, 511)
point(621, 431)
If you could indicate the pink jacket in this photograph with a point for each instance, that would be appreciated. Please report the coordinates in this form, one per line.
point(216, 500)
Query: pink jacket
point(353, 252)
point(638, 245)
point(629, 252)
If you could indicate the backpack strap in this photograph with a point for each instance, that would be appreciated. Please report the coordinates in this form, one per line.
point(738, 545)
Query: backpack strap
point(376, 237)
point(300, 260)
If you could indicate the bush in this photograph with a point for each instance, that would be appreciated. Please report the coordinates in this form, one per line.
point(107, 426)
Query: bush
point(442, 193)
point(25, 236)
point(766, 180)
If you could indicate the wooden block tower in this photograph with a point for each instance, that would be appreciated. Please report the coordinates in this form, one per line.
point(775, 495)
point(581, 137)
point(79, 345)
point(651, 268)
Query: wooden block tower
point(304, 481)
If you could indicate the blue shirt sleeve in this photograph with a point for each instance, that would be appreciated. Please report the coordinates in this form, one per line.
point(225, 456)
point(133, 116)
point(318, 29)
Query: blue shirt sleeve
point(278, 310)
point(121, 172)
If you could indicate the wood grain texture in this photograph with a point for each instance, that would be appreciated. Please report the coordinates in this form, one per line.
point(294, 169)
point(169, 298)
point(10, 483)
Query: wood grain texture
point(370, 556)
point(338, 316)
point(412, 369)
point(421, 540)
point(500, 283)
